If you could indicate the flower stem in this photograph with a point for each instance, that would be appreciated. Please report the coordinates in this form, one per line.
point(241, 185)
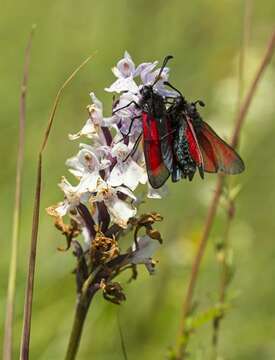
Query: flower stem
point(81, 310)
point(239, 121)
point(8, 332)
point(27, 317)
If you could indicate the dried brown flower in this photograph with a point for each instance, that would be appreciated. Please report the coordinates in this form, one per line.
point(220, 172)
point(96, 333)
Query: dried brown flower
point(113, 292)
point(103, 249)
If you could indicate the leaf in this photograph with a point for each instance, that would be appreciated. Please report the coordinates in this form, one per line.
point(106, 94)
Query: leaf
point(234, 192)
point(206, 316)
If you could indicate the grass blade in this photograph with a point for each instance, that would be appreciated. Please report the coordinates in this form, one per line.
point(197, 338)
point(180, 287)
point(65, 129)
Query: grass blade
point(25, 337)
point(122, 341)
point(7, 346)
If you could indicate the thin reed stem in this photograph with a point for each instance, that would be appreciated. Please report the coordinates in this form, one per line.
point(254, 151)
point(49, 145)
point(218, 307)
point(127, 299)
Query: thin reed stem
point(224, 267)
point(244, 44)
point(122, 341)
point(25, 337)
point(239, 121)
point(187, 304)
point(7, 346)
point(224, 275)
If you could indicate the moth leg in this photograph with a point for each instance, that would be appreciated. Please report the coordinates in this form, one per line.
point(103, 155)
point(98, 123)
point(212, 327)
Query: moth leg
point(134, 149)
point(124, 107)
point(124, 136)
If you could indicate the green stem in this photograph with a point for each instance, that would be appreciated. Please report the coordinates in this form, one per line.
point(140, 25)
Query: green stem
point(7, 348)
point(81, 310)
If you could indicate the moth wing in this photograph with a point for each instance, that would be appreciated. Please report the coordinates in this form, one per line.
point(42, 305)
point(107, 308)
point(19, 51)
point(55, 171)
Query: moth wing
point(217, 154)
point(156, 169)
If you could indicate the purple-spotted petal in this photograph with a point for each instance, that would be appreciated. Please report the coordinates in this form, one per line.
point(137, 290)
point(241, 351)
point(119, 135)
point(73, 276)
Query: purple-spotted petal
point(125, 67)
point(120, 211)
point(123, 84)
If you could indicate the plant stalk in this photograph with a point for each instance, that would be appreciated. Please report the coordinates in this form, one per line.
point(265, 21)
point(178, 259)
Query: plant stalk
point(7, 347)
point(224, 280)
point(26, 330)
point(239, 121)
point(81, 310)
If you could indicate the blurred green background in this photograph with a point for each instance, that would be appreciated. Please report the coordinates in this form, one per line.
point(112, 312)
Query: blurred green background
point(205, 38)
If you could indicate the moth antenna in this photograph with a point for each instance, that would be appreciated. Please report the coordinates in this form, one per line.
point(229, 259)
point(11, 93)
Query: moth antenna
point(172, 87)
point(165, 61)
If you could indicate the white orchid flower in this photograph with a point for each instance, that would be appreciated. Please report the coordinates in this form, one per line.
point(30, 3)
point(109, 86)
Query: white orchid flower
point(93, 126)
point(126, 171)
point(120, 210)
point(125, 72)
